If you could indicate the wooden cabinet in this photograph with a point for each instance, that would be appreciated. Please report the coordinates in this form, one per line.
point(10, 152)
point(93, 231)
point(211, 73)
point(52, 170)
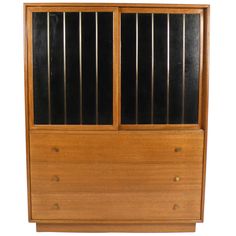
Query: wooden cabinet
point(116, 116)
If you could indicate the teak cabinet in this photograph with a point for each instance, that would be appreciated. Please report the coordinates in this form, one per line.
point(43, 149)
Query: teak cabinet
point(116, 116)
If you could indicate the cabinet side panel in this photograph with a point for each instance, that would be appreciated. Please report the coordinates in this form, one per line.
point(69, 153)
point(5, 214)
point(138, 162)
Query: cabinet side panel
point(205, 95)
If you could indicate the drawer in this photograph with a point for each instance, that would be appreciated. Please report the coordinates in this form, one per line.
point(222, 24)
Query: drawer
point(151, 205)
point(54, 177)
point(118, 147)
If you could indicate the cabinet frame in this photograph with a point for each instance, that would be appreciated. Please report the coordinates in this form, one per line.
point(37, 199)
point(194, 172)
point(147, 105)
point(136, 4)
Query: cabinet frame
point(117, 9)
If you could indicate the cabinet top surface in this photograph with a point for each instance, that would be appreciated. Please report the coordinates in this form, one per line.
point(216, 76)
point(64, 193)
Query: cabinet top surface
point(118, 5)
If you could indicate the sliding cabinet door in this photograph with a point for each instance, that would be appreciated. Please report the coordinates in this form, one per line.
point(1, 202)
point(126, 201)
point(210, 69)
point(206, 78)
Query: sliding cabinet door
point(72, 68)
point(160, 68)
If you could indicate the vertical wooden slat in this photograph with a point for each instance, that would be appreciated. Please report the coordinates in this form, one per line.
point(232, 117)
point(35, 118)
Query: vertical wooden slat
point(200, 94)
point(136, 86)
point(152, 73)
point(168, 70)
point(183, 75)
point(116, 68)
point(80, 68)
point(49, 69)
point(96, 59)
point(64, 67)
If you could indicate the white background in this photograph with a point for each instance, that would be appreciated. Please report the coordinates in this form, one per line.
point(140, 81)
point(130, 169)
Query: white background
point(220, 204)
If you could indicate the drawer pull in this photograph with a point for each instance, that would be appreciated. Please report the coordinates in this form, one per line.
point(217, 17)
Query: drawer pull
point(55, 149)
point(55, 206)
point(176, 178)
point(178, 149)
point(175, 207)
point(55, 178)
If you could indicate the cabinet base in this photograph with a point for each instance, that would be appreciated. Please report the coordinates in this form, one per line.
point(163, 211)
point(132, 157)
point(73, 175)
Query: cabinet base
point(43, 227)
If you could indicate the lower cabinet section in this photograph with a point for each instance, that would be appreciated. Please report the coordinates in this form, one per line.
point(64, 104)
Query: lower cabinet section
point(122, 181)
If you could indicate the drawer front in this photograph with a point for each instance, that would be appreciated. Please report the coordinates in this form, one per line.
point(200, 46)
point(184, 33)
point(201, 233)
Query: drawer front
point(53, 177)
point(123, 176)
point(118, 147)
point(155, 205)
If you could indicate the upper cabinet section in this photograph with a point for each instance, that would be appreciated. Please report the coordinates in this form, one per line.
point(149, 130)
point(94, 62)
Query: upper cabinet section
point(116, 66)
point(160, 62)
